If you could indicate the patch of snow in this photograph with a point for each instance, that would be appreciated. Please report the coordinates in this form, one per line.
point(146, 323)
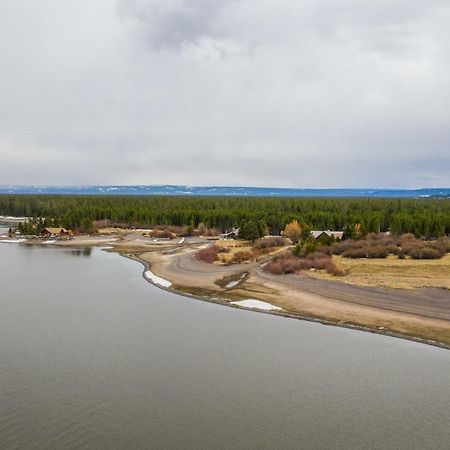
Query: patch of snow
point(157, 280)
point(52, 241)
point(13, 241)
point(181, 240)
point(258, 304)
point(235, 283)
point(12, 218)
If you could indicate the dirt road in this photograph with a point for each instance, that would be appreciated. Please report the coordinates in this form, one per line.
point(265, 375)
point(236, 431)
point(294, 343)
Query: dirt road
point(426, 302)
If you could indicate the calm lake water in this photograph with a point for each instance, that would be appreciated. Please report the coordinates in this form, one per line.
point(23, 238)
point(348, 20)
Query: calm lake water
point(92, 356)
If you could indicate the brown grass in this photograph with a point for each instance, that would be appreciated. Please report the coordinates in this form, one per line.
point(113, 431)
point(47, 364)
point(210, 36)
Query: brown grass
point(393, 272)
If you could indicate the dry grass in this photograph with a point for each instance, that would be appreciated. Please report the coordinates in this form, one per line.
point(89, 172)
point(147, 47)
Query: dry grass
point(236, 252)
point(113, 230)
point(230, 248)
point(393, 272)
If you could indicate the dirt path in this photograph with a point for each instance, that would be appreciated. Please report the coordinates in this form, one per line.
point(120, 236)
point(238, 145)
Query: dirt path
point(183, 269)
point(425, 302)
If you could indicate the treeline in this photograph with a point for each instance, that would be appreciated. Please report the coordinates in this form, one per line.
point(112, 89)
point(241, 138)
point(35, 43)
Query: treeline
point(422, 217)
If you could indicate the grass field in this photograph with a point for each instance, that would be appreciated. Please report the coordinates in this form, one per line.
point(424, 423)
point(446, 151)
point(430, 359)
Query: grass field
point(392, 272)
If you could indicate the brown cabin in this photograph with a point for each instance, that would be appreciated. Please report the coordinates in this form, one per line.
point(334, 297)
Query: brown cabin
point(327, 233)
point(54, 232)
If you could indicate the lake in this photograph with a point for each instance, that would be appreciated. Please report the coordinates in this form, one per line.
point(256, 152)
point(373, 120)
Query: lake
point(92, 356)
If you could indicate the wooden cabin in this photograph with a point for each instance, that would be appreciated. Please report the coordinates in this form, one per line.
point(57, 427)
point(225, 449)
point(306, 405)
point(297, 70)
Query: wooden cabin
point(56, 232)
point(327, 233)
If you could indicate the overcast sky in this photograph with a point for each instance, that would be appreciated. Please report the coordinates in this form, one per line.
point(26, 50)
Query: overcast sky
point(300, 93)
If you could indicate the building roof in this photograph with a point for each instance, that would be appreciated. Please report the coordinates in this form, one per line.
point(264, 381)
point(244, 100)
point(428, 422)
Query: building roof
point(335, 234)
point(53, 230)
point(233, 232)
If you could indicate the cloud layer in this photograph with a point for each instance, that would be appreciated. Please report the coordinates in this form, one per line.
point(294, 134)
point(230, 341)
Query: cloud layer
point(316, 93)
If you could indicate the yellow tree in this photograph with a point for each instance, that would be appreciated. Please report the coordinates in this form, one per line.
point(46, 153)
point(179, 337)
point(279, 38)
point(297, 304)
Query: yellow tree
point(293, 231)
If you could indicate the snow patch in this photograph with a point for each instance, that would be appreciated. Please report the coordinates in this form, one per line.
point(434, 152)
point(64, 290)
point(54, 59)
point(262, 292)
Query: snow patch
point(157, 280)
point(258, 304)
point(52, 241)
point(13, 241)
point(232, 284)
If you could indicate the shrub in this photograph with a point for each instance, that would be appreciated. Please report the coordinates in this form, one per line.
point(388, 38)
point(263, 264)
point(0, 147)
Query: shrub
point(289, 263)
point(442, 245)
point(271, 242)
point(382, 245)
point(378, 252)
point(244, 255)
point(350, 245)
point(208, 255)
point(162, 234)
point(425, 253)
point(356, 253)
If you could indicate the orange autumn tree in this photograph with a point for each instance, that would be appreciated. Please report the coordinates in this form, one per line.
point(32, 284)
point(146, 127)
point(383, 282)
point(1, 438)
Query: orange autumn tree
point(293, 231)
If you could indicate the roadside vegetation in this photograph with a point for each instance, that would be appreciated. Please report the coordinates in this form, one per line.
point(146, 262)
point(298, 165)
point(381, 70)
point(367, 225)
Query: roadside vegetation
point(238, 251)
point(328, 256)
point(379, 246)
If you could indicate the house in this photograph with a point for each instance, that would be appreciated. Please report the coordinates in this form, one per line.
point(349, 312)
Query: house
point(233, 234)
point(327, 233)
point(55, 232)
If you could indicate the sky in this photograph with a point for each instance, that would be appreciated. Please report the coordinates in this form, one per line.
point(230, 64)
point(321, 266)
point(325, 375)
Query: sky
point(282, 93)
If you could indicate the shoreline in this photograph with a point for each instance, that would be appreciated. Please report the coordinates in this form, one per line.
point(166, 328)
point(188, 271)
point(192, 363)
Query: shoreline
point(299, 296)
point(283, 313)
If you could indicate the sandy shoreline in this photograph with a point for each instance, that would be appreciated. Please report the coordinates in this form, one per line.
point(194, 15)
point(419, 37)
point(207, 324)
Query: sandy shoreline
point(196, 279)
point(420, 315)
point(286, 314)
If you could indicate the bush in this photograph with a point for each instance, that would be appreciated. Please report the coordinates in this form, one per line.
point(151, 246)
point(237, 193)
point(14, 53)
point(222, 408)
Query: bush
point(262, 244)
point(425, 253)
point(442, 245)
point(289, 263)
point(161, 234)
point(244, 255)
point(283, 264)
point(356, 253)
point(349, 246)
point(208, 255)
point(382, 245)
point(378, 252)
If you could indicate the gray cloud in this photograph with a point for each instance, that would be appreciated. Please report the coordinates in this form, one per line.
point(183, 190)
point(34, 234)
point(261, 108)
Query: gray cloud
point(317, 93)
point(177, 23)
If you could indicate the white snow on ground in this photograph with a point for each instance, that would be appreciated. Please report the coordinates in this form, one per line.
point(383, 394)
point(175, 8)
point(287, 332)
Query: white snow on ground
point(181, 240)
point(251, 303)
point(235, 283)
point(13, 241)
point(13, 218)
point(52, 241)
point(157, 280)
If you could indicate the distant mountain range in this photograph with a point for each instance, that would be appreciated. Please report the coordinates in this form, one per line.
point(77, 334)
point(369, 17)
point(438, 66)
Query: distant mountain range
point(225, 191)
